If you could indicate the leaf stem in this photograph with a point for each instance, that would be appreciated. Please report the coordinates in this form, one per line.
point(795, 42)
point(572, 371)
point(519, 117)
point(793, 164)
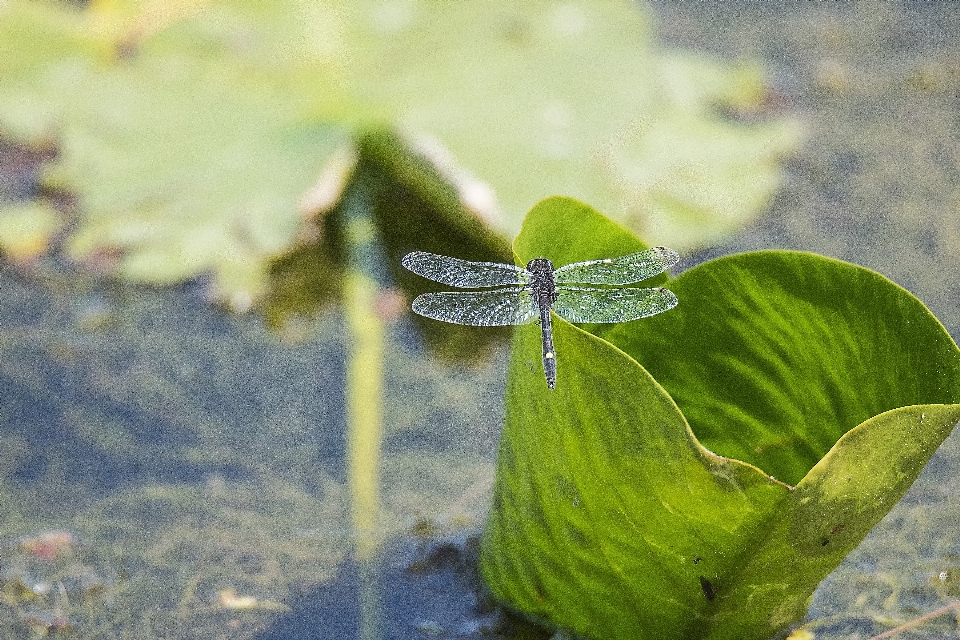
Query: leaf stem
point(364, 388)
point(364, 391)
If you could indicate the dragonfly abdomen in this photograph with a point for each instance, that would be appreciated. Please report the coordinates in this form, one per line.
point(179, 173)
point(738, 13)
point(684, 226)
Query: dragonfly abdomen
point(549, 353)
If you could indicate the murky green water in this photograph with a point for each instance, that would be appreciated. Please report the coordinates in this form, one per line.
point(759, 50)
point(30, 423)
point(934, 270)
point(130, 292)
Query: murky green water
point(175, 471)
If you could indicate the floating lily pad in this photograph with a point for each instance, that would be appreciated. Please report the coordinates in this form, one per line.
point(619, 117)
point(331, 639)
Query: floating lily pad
point(190, 131)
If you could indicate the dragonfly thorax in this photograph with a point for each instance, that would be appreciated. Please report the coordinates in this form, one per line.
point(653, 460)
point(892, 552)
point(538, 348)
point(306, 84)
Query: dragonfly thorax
point(541, 278)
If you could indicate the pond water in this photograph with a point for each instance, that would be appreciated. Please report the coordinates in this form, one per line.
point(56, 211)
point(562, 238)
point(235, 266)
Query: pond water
point(178, 471)
point(181, 469)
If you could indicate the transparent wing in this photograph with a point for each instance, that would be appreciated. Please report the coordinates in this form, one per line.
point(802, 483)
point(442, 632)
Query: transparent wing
point(582, 304)
point(462, 273)
point(626, 269)
point(479, 308)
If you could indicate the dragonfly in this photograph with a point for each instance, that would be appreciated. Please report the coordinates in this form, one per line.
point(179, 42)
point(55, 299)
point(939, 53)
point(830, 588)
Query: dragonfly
point(513, 295)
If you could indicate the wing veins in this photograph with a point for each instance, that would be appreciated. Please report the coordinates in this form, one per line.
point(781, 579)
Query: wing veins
point(463, 273)
point(589, 305)
point(627, 269)
point(496, 308)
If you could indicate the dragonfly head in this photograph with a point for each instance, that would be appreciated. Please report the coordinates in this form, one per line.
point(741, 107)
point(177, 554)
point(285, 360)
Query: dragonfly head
point(540, 266)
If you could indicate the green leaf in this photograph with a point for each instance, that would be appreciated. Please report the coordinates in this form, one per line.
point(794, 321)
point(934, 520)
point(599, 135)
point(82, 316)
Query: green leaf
point(688, 175)
point(609, 516)
point(40, 45)
point(188, 151)
point(773, 355)
point(217, 190)
point(832, 509)
point(538, 98)
point(577, 233)
point(590, 527)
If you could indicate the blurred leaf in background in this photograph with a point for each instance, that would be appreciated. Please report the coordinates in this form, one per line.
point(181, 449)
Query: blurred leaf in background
point(26, 229)
point(424, 204)
point(190, 130)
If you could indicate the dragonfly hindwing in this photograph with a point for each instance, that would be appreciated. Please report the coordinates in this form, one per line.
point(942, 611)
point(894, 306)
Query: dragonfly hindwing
point(584, 304)
point(496, 308)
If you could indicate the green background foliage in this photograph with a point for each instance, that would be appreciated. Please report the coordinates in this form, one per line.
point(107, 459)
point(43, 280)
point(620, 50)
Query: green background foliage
point(612, 519)
point(190, 131)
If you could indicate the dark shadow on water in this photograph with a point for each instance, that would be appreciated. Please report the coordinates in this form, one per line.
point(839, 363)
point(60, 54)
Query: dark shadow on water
point(437, 594)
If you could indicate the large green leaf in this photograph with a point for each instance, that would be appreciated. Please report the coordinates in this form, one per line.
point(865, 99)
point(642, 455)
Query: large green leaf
point(408, 196)
point(609, 516)
point(773, 355)
point(188, 149)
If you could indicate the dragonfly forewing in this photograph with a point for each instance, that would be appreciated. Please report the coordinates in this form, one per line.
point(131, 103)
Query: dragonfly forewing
point(479, 308)
point(587, 305)
point(463, 273)
point(626, 269)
